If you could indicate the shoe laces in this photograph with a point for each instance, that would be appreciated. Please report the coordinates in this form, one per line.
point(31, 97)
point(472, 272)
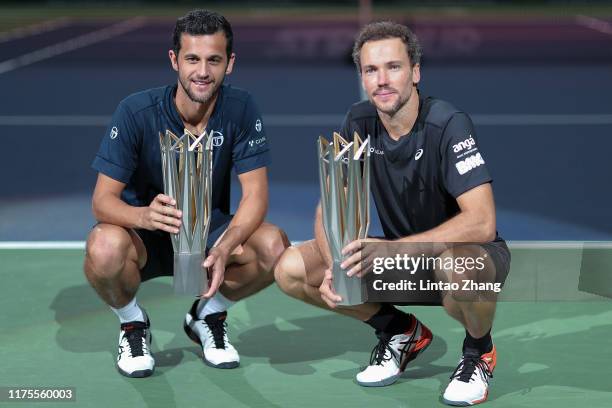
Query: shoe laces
point(468, 366)
point(135, 334)
point(379, 353)
point(218, 330)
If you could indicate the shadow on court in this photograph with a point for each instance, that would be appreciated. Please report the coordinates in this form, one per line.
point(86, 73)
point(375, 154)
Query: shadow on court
point(536, 347)
point(318, 338)
point(88, 326)
point(563, 344)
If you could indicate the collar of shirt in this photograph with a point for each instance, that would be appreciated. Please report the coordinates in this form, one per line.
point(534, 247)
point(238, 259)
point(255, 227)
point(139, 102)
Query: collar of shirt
point(175, 117)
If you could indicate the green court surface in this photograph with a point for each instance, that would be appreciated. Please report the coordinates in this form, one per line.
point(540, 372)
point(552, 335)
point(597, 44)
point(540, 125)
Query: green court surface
point(55, 332)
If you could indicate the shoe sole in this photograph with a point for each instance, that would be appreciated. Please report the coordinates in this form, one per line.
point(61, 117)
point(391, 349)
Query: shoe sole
point(390, 380)
point(466, 403)
point(382, 383)
point(196, 339)
point(137, 373)
point(463, 403)
point(456, 403)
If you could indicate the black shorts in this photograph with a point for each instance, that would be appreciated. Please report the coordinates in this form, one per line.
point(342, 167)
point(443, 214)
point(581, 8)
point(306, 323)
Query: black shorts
point(160, 255)
point(500, 255)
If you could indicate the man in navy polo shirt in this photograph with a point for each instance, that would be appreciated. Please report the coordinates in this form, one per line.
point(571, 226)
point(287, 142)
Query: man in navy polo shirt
point(131, 242)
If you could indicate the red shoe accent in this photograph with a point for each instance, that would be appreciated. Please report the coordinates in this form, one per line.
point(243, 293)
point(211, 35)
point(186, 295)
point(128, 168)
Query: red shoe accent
point(414, 347)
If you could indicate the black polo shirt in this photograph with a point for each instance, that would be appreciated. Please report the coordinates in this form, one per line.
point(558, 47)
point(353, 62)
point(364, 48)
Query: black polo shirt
point(415, 180)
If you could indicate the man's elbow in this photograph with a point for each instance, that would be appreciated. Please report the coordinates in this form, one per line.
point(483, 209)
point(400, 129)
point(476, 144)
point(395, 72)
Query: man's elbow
point(97, 206)
point(95, 210)
point(488, 230)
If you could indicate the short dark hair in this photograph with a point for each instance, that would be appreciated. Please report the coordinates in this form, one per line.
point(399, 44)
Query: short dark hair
point(382, 30)
point(202, 22)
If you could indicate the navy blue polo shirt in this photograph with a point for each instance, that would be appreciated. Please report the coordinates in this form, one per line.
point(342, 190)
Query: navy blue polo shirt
point(130, 151)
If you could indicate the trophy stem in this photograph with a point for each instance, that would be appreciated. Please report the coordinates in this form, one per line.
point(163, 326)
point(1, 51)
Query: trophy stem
point(189, 276)
point(187, 175)
point(344, 183)
point(349, 288)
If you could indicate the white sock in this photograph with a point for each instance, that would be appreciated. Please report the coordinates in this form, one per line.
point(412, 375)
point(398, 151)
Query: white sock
point(130, 312)
point(218, 303)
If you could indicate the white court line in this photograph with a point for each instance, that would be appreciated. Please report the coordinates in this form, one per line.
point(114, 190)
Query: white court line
point(596, 24)
point(72, 44)
point(54, 244)
point(511, 244)
point(560, 244)
point(288, 120)
point(34, 29)
point(42, 244)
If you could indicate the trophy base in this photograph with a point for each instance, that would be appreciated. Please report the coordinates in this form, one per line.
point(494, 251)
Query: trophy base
point(349, 288)
point(189, 276)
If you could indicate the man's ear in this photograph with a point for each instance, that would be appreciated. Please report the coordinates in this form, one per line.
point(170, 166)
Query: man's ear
point(173, 60)
point(416, 74)
point(230, 64)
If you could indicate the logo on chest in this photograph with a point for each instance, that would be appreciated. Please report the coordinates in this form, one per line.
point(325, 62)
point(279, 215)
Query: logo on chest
point(375, 151)
point(418, 154)
point(217, 138)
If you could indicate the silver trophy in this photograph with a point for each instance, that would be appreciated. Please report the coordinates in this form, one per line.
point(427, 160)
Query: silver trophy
point(187, 171)
point(344, 176)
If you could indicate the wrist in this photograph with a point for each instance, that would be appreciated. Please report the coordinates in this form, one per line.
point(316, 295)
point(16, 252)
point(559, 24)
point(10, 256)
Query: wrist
point(222, 248)
point(139, 216)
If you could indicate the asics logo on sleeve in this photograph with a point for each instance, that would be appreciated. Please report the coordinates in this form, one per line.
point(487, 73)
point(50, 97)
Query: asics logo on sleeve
point(418, 154)
point(258, 126)
point(114, 132)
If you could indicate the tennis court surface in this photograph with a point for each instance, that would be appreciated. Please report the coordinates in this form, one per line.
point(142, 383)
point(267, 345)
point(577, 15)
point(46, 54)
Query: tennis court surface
point(552, 342)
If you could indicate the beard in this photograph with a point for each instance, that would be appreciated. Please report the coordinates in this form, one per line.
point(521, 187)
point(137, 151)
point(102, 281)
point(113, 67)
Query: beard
point(201, 98)
point(394, 108)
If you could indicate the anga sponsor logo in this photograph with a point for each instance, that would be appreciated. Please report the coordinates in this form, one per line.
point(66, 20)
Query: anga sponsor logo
point(467, 144)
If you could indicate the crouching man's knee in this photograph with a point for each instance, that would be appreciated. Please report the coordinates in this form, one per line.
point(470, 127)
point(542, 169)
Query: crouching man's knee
point(289, 272)
point(471, 273)
point(107, 250)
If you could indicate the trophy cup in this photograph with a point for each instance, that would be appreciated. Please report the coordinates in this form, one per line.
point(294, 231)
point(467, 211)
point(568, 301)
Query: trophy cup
point(344, 176)
point(187, 173)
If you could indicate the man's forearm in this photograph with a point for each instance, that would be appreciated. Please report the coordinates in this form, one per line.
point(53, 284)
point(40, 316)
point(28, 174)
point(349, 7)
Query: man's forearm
point(464, 227)
point(249, 216)
point(321, 238)
point(110, 209)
